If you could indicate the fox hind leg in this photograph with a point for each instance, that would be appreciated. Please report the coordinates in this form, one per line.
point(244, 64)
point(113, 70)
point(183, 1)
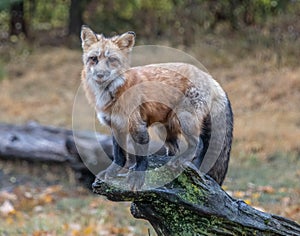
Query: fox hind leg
point(169, 135)
point(136, 177)
point(172, 146)
point(190, 126)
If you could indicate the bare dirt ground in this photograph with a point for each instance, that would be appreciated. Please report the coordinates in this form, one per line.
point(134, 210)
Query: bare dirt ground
point(265, 163)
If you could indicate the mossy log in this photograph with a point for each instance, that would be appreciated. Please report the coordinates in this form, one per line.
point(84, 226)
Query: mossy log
point(194, 204)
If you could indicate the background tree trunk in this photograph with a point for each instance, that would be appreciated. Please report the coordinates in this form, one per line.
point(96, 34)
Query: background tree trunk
point(17, 21)
point(76, 16)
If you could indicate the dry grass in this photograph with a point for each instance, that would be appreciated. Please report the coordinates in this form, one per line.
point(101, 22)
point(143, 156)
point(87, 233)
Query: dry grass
point(41, 88)
point(265, 100)
point(266, 105)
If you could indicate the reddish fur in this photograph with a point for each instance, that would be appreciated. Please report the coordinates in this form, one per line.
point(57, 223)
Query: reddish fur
point(151, 111)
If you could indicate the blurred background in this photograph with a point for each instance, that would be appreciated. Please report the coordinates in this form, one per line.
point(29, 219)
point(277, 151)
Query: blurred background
point(252, 48)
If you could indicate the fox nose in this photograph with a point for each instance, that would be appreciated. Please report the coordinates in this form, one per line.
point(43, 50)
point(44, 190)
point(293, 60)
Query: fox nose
point(102, 73)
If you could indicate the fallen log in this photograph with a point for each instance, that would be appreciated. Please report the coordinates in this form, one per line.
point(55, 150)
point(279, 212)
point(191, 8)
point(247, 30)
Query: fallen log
point(37, 143)
point(33, 142)
point(194, 204)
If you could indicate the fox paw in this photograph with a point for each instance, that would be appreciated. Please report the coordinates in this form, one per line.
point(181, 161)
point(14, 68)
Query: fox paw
point(111, 172)
point(136, 179)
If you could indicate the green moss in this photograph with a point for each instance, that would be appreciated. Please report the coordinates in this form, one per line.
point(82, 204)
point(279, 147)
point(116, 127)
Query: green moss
point(159, 177)
point(192, 193)
point(267, 221)
point(181, 221)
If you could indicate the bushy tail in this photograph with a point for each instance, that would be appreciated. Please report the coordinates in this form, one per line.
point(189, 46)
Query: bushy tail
point(215, 144)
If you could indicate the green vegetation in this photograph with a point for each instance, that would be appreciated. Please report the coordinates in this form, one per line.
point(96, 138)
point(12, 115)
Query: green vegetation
point(266, 24)
point(258, 172)
point(266, 183)
point(152, 18)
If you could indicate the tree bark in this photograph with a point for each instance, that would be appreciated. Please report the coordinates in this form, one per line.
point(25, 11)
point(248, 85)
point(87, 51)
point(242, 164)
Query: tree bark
point(76, 16)
point(17, 21)
point(194, 204)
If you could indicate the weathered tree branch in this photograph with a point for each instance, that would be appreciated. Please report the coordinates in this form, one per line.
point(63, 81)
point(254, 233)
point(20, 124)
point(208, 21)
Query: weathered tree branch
point(194, 204)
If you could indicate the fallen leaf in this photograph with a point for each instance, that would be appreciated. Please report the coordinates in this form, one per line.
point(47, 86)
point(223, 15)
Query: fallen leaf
point(47, 198)
point(255, 195)
point(41, 233)
point(117, 230)
point(65, 227)
point(248, 201)
point(293, 212)
point(88, 230)
point(225, 187)
point(7, 208)
point(239, 194)
point(266, 189)
point(53, 189)
point(10, 220)
point(75, 232)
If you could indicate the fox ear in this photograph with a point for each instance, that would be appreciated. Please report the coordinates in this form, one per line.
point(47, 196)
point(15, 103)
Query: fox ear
point(88, 37)
point(126, 40)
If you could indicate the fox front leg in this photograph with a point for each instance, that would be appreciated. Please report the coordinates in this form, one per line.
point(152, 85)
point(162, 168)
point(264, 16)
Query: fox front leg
point(119, 156)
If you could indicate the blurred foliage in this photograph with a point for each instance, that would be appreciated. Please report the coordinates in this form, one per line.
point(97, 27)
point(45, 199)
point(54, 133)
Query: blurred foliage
point(5, 4)
point(46, 15)
point(179, 21)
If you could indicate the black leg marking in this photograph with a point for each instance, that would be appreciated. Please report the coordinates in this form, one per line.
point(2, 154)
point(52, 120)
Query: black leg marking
point(203, 141)
point(119, 153)
point(119, 156)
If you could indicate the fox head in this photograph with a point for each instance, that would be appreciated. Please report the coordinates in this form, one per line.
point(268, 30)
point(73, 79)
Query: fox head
point(104, 58)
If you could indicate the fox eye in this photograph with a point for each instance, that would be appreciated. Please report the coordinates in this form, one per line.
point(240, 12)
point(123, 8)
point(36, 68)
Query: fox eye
point(113, 59)
point(94, 59)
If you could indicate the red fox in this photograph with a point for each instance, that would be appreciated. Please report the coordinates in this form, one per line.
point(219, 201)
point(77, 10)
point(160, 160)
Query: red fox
point(181, 97)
